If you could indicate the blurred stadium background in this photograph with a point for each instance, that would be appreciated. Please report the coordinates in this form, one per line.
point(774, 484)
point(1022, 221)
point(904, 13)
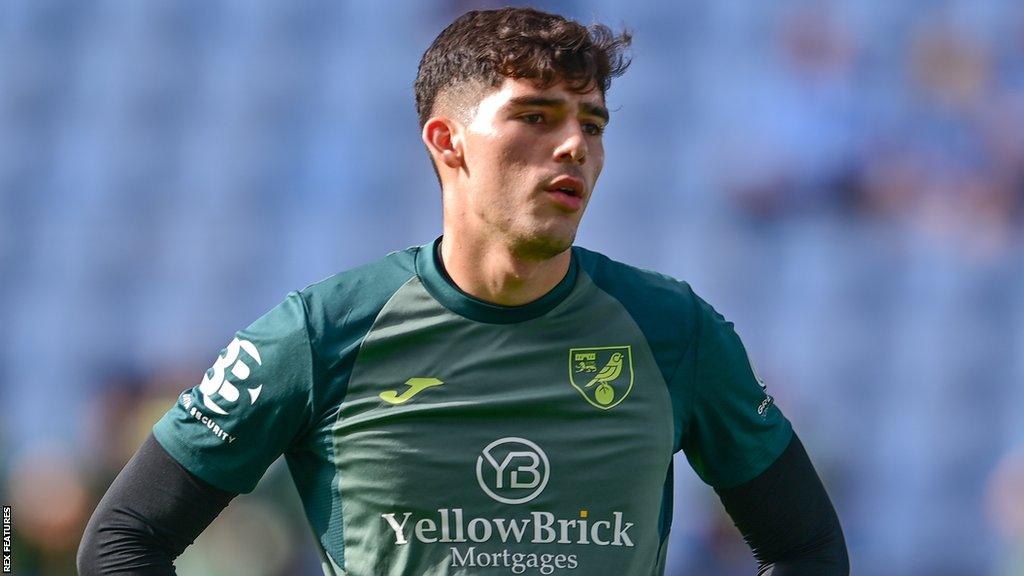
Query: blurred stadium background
point(842, 179)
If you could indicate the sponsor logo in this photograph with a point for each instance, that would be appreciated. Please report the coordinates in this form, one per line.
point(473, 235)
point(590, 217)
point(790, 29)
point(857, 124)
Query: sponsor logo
point(604, 376)
point(451, 526)
point(516, 562)
point(538, 527)
point(416, 385)
point(215, 382)
point(512, 470)
point(205, 420)
point(762, 408)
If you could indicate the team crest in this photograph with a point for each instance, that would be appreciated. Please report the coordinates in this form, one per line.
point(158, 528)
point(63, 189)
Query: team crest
point(603, 375)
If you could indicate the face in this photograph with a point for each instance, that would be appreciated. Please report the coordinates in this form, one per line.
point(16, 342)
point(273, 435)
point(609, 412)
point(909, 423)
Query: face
point(532, 157)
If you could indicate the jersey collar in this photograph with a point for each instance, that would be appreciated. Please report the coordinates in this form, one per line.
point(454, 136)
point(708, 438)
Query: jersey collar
point(431, 271)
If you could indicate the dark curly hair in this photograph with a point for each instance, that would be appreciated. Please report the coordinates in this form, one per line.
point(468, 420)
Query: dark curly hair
point(490, 45)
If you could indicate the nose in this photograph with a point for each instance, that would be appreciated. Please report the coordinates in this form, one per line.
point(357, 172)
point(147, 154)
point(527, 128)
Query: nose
point(573, 148)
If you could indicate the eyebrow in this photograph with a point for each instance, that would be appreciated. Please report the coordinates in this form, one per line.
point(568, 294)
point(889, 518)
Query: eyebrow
point(544, 102)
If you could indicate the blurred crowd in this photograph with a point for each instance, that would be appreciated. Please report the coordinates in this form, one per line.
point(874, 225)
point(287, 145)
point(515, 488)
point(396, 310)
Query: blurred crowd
point(843, 179)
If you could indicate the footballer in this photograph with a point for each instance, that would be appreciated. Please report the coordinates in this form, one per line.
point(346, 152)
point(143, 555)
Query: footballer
point(495, 401)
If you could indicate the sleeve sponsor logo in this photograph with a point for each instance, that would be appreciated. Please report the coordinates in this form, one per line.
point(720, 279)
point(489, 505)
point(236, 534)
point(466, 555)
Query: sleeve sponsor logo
point(205, 420)
point(215, 384)
point(219, 395)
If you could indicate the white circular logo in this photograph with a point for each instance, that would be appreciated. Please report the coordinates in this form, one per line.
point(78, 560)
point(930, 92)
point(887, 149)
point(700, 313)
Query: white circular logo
point(517, 470)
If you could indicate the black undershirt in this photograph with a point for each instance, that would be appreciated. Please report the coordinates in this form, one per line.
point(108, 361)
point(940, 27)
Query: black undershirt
point(787, 519)
point(152, 511)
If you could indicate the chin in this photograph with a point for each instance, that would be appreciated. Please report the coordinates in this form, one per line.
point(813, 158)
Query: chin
point(545, 245)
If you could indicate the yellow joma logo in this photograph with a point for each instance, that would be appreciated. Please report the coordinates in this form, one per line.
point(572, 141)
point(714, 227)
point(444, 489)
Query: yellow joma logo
point(416, 385)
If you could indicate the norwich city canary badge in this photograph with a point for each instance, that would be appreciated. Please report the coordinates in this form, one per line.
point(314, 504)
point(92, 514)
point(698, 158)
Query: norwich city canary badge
point(603, 375)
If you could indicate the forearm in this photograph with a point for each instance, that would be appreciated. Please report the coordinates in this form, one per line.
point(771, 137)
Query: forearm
point(153, 510)
point(824, 555)
point(806, 567)
point(787, 518)
point(821, 558)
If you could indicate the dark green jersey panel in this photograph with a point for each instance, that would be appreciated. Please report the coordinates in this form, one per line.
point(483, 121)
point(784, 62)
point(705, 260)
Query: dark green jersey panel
point(340, 311)
point(261, 381)
point(733, 429)
point(725, 421)
point(276, 389)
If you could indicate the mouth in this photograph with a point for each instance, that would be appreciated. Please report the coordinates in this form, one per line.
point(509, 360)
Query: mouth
point(567, 192)
point(569, 185)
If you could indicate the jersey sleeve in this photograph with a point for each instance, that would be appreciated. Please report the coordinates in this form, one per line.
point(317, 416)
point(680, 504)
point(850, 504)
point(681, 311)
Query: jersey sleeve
point(733, 430)
point(250, 406)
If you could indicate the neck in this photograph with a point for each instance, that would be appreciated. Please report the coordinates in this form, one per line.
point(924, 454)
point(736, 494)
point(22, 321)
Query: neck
point(492, 272)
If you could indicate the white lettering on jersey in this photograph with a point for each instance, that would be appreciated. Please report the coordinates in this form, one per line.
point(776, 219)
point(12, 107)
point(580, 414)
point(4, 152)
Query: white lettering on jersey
point(216, 383)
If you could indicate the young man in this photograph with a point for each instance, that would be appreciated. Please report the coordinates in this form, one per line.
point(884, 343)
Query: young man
point(496, 401)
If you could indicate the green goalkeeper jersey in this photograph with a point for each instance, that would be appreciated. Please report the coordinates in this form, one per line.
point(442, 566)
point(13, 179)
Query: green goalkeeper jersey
point(432, 433)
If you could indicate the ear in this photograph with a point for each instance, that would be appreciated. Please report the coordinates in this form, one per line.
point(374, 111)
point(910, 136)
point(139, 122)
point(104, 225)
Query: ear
point(443, 138)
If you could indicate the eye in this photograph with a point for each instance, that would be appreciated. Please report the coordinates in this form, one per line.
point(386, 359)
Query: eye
point(535, 118)
point(593, 128)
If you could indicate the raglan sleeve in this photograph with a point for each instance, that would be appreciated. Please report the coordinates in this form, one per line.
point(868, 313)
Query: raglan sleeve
point(250, 406)
point(732, 429)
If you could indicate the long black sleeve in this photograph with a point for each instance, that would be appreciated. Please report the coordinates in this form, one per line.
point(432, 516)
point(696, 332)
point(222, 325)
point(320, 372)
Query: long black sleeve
point(786, 517)
point(152, 511)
